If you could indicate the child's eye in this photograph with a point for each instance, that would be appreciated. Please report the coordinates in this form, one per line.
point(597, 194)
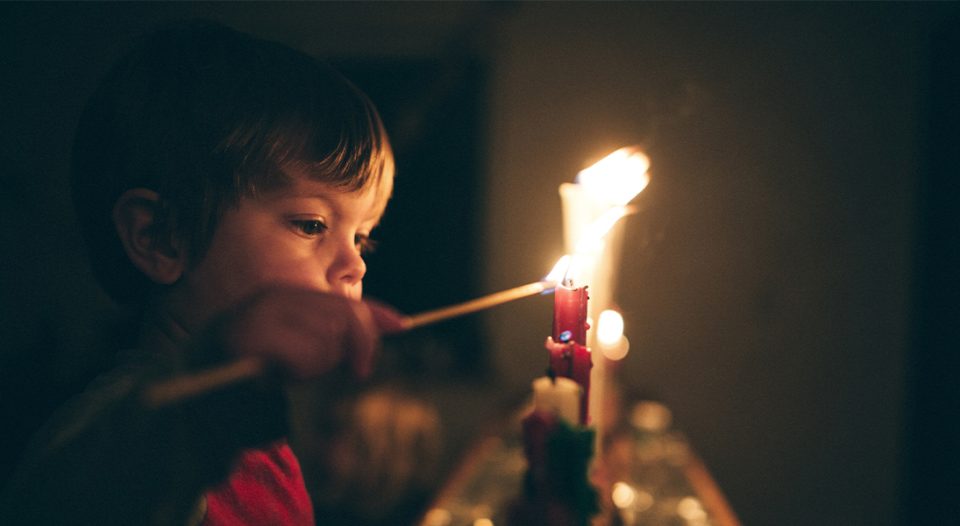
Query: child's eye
point(364, 244)
point(309, 227)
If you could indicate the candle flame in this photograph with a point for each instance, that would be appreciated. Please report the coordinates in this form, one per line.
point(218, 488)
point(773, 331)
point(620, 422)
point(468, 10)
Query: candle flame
point(576, 270)
point(559, 270)
point(617, 178)
point(592, 238)
point(566, 270)
point(569, 267)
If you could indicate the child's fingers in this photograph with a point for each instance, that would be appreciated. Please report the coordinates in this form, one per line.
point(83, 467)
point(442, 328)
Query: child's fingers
point(308, 333)
point(364, 338)
point(388, 320)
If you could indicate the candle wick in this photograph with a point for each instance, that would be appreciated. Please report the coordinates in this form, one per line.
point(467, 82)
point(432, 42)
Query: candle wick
point(552, 375)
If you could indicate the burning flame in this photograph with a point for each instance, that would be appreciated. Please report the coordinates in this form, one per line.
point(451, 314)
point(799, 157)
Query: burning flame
point(559, 270)
point(617, 178)
point(592, 238)
point(566, 270)
point(570, 266)
point(613, 182)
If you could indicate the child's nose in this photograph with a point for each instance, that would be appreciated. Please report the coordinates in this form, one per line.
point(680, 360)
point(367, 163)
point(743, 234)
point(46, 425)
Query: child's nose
point(347, 270)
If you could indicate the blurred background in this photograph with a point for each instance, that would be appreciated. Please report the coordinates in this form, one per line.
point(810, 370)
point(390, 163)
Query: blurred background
point(788, 287)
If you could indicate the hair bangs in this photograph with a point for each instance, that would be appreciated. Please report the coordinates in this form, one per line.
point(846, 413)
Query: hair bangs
point(346, 146)
point(332, 134)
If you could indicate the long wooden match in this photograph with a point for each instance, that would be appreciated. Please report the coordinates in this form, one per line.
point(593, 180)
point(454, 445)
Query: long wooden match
point(190, 385)
point(485, 302)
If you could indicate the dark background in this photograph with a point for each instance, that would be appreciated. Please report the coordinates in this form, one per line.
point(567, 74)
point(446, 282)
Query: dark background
point(789, 288)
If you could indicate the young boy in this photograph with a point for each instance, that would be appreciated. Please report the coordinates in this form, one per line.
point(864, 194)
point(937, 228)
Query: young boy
point(227, 188)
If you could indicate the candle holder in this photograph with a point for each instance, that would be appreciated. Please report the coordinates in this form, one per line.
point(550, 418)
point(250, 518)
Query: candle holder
point(556, 490)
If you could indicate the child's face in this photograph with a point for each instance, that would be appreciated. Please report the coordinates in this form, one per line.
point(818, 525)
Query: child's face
point(308, 235)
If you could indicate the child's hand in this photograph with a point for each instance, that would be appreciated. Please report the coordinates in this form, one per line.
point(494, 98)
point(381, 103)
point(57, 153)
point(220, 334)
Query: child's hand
point(307, 333)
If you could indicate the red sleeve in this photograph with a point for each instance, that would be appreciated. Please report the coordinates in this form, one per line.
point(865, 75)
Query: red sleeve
point(265, 487)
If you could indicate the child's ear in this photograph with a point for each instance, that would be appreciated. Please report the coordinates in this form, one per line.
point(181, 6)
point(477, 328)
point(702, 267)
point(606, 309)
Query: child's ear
point(135, 218)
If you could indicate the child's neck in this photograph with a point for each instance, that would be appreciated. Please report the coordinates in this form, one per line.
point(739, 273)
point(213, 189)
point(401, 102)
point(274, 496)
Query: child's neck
point(161, 331)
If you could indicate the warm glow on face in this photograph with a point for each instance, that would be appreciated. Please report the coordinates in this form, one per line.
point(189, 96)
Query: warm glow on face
point(617, 178)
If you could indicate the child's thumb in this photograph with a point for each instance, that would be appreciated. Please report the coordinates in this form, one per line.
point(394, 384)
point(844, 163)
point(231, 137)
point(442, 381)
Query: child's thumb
point(387, 319)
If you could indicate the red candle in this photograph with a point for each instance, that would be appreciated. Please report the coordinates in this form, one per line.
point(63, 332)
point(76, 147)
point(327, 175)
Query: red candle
point(572, 360)
point(570, 314)
point(569, 356)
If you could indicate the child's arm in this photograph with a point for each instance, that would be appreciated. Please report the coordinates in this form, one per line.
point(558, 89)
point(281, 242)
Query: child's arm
point(107, 458)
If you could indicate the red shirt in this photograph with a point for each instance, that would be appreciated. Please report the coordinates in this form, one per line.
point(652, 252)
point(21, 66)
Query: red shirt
point(265, 488)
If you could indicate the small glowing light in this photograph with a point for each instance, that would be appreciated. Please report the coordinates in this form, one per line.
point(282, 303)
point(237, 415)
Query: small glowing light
point(618, 351)
point(644, 501)
point(617, 178)
point(623, 495)
point(690, 509)
point(610, 339)
point(559, 269)
point(651, 416)
point(610, 327)
point(483, 522)
point(438, 517)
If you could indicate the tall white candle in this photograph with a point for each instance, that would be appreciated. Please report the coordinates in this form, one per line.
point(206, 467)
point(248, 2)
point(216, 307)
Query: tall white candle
point(602, 188)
